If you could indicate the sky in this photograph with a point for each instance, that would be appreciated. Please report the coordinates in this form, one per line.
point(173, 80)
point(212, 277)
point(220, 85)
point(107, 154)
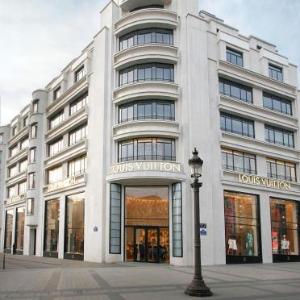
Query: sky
point(39, 38)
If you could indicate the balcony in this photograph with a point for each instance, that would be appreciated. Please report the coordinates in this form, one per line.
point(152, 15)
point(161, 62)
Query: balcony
point(159, 128)
point(70, 123)
point(146, 89)
point(74, 91)
point(18, 156)
point(145, 18)
point(15, 200)
point(67, 154)
point(132, 4)
point(65, 185)
point(147, 53)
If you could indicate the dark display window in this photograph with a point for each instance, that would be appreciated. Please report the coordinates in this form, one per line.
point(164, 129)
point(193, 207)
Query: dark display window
point(8, 231)
point(146, 36)
point(242, 228)
point(51, 228)
point(285, 230)
point(145, 72)
point(147, 149)
point(145, 110)
point(19, 234)
point(74, 232)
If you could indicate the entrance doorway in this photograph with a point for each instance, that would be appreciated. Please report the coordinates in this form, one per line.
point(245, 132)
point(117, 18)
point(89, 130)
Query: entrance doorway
point(148, 244)
point(147, 224)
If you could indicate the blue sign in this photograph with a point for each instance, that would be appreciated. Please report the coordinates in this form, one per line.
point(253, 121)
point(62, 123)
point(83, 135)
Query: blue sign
point(203, 229)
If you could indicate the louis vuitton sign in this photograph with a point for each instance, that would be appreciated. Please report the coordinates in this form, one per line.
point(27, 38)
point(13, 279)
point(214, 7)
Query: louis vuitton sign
point(146, 166)
point(266, 182)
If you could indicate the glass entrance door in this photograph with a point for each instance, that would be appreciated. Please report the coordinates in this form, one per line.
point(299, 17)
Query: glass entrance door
point(151, 244)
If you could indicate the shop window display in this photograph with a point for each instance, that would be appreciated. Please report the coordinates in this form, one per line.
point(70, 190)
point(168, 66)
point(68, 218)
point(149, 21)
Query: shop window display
point(285, 227)
point(74, 234)
point(242, 228)
point(51, 228)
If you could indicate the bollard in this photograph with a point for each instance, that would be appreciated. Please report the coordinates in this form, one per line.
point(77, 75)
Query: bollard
point(2, 260)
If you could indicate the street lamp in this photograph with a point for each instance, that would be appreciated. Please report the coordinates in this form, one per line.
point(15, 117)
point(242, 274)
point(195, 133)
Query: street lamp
point(197, 287)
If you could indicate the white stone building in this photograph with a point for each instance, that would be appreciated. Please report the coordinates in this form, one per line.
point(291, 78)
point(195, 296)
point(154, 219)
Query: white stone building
point(108, 141)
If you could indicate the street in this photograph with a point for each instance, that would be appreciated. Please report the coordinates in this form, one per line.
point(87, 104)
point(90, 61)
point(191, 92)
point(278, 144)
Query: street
point(45, 278)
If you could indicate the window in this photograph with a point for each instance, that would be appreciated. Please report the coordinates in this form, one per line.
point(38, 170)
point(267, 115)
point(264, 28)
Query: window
point(147, 6)
point(14, 130)
point(25, 121)
point(238, 161)
point(24, 143)
point(22, 188)
point(79, 74)
point(74, 229)
point(9, 218)
point(13, 151)
point(115, 219)
point(285, 216)
point(146, 36)
point(57, 93)
point(30, 206)
point(78, 135)
point(56, 147)
point(35, 106)
point(277, 103)
point(77, 166)
point(281, 169)
point(1, 138)
point(55, 175)
point(237, 125)
point(56, 120)
point(242, 226)
point(12, 191)
point(150, 109)
point(51, 228)
point(279, 136)
point(234, 57)
point(235, 90)
point(78, 104)
point(147, 149)
point(12, 171)
point(275, 72)
point(19, 234)
point(144, 72)
point(32, 155)
point(34, 131)
point(177, 220)
point(23, 165)
point(31, 180)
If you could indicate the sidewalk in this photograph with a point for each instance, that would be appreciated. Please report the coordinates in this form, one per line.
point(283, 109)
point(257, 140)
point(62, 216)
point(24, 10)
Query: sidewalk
point(44, 278)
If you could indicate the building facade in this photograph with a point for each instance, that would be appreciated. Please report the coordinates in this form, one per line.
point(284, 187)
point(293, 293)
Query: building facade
point(96, 166)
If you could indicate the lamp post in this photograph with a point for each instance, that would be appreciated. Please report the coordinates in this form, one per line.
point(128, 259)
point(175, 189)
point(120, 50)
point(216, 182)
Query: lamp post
point(197, 287)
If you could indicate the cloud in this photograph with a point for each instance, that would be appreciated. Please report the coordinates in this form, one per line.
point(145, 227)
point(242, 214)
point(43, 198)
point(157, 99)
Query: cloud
point(39, 38)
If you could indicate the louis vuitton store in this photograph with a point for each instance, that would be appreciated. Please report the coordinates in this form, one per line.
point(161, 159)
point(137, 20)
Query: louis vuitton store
point(261, 223)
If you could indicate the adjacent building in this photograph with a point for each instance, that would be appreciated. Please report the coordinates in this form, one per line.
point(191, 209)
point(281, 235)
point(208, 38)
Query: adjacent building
point(96, 166)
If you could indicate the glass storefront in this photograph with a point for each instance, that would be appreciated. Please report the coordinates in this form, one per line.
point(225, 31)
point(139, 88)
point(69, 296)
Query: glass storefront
point(51, 228)
point(147, 224)
point(285, 217)
point(19, 234)
point(74, 231)
point(242, 228)
point(8, 231)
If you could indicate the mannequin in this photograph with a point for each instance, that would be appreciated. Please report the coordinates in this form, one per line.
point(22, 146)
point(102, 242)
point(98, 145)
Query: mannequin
point(249, 244)
point(232, 246)
point(285, 245)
